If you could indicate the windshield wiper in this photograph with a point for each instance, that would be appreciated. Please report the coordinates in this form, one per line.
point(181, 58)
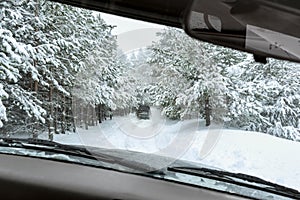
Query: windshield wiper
point(50, 146)
point(71, 150)
point(239, 179)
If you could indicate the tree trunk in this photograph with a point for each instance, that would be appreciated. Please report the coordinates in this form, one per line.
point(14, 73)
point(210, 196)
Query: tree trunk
point(55, 115)
point(73, 113)
point(55, 111)
point(36, 122)
point(93, 115)
point(99, 114)
point(35, 126)
point(81, 115)
point(50, 118)
point(63, 117)
point(207, 111)
point(96, 115)
point(86, 118)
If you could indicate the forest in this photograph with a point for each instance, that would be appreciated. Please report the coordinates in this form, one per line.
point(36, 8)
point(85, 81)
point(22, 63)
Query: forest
point(61, 68)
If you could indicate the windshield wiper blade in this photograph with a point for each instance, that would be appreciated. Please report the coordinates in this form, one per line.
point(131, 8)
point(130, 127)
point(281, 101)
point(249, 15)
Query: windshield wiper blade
point(245, 180)
point(39, 144)
point(50, 146)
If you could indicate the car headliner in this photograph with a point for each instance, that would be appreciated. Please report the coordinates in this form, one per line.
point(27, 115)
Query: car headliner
point(174, 13)
point(166, 12)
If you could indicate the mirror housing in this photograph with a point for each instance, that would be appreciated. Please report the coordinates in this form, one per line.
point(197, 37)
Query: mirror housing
point(265, 28)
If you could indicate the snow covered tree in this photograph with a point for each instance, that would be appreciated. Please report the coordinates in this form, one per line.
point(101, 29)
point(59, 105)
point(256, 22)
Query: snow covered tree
point(45, 48)
point(14, 59)
point(265, 98)
point(3, 94)
point(102, 81)
point(141, 72)
point(188, 80)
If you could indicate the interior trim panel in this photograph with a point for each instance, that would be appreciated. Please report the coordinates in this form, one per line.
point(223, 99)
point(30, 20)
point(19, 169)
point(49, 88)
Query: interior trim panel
point(34, 178)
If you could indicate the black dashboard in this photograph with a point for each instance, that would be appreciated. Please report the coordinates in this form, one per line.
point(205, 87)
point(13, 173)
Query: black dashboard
point(34, 178)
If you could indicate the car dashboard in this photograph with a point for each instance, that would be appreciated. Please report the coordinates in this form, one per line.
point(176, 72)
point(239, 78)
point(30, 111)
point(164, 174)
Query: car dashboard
point(34, 178)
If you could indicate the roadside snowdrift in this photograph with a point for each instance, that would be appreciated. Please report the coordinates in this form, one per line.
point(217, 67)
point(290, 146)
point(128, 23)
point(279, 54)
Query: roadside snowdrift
point(253, 153)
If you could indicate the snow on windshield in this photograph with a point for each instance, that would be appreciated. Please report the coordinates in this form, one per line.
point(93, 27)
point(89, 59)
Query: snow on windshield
point(77, 77)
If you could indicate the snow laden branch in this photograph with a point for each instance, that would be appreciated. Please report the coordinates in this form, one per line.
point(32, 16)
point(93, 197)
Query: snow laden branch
point(50, 54)
point(195, 79)
point(187, 78)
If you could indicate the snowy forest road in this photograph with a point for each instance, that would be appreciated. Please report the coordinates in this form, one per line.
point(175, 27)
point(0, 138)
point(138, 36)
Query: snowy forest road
point(233, 150)
point(142, 129)
point(156, 135)
point(172, 138)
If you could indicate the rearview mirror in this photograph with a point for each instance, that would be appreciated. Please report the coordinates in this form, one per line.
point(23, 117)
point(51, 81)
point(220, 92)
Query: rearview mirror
point(266, 28)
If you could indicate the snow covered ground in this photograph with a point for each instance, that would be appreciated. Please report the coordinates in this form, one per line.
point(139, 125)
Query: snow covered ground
point(253, 153)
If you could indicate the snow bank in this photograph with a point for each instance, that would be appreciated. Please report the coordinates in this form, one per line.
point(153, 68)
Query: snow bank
point(253, 153)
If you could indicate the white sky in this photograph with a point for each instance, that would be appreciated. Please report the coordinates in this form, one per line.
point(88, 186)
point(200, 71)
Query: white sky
point(125, 24)
point(132, 34)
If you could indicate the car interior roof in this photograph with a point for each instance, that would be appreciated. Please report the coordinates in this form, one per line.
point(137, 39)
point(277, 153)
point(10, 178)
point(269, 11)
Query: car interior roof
point(167, 12)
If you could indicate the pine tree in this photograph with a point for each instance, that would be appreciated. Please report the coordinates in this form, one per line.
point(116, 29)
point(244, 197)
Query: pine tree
point(189, 81)
point(47, 46)
point(265, 98)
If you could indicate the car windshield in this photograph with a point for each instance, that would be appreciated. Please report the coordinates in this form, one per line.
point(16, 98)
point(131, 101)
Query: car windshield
point(80, 77)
